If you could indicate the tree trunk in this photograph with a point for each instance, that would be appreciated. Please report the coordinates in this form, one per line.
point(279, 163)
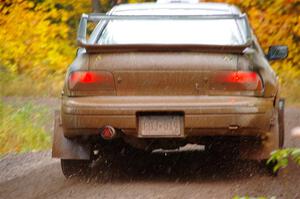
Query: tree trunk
point(96, 6)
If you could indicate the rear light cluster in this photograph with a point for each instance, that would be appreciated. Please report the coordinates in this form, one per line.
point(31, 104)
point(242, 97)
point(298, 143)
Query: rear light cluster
point(102, 82)
point(239, 81)
point(91, 81)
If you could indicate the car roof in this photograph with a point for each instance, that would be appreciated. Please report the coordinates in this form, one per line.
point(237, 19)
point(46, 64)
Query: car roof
point(217, 8)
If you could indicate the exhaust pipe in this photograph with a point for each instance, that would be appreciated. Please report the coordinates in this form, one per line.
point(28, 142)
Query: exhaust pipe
point(108, 133)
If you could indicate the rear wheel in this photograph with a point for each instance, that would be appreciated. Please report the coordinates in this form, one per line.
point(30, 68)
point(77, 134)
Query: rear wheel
point(270, 167)
point(73, 168)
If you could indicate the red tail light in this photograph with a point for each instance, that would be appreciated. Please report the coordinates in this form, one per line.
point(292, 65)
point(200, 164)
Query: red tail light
point(239, 80)
point(91, 81)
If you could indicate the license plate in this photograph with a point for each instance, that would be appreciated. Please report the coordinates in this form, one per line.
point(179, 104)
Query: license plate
point(160, 126)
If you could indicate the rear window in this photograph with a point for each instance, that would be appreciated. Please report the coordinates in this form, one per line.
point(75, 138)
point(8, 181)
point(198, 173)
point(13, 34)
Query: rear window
point(202, 31)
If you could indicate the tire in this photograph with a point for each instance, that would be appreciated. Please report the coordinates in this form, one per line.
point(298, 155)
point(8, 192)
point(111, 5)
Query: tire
point(75, 168)
point(281, 122)
point(270, 167)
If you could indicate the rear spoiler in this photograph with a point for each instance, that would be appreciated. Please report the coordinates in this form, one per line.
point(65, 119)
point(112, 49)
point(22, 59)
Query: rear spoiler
point(94, 48)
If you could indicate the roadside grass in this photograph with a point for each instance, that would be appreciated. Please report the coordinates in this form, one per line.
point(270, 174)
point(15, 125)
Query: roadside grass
point(22, 128)
point(282, 157)
point(290, 91)
point(25, 85)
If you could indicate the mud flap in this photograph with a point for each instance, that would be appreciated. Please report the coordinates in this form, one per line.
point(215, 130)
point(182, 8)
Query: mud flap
point(281, 105)
point(269, 143)
point(65, 148)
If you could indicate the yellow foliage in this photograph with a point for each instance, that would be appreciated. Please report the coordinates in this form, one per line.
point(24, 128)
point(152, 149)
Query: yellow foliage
point(35, 37)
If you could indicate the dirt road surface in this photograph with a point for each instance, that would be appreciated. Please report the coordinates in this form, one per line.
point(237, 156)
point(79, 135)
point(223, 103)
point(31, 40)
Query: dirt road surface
point(188, 174)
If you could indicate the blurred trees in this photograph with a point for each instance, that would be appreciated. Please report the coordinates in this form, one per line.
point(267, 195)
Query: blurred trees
point(37, 37)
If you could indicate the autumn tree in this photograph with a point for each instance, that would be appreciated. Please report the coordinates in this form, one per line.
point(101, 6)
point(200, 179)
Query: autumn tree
point(37, 38)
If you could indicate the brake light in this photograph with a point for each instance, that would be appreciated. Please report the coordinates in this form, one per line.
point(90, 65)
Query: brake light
point(83, 77)
point(240, 80)
point(91, 80)
point(241, 77)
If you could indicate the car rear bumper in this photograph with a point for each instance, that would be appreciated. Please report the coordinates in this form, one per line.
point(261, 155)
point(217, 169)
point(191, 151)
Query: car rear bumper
point(203, 115)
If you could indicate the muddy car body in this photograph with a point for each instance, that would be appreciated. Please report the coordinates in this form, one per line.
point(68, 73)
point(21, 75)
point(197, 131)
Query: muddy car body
point(174, 85)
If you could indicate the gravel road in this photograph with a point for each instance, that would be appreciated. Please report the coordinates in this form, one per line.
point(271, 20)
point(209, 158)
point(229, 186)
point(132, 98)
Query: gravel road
point(187, 174)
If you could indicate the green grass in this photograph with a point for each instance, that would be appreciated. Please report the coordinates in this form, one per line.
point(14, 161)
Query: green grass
point(282, 157)
point(22, 128)
point(25, 85)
